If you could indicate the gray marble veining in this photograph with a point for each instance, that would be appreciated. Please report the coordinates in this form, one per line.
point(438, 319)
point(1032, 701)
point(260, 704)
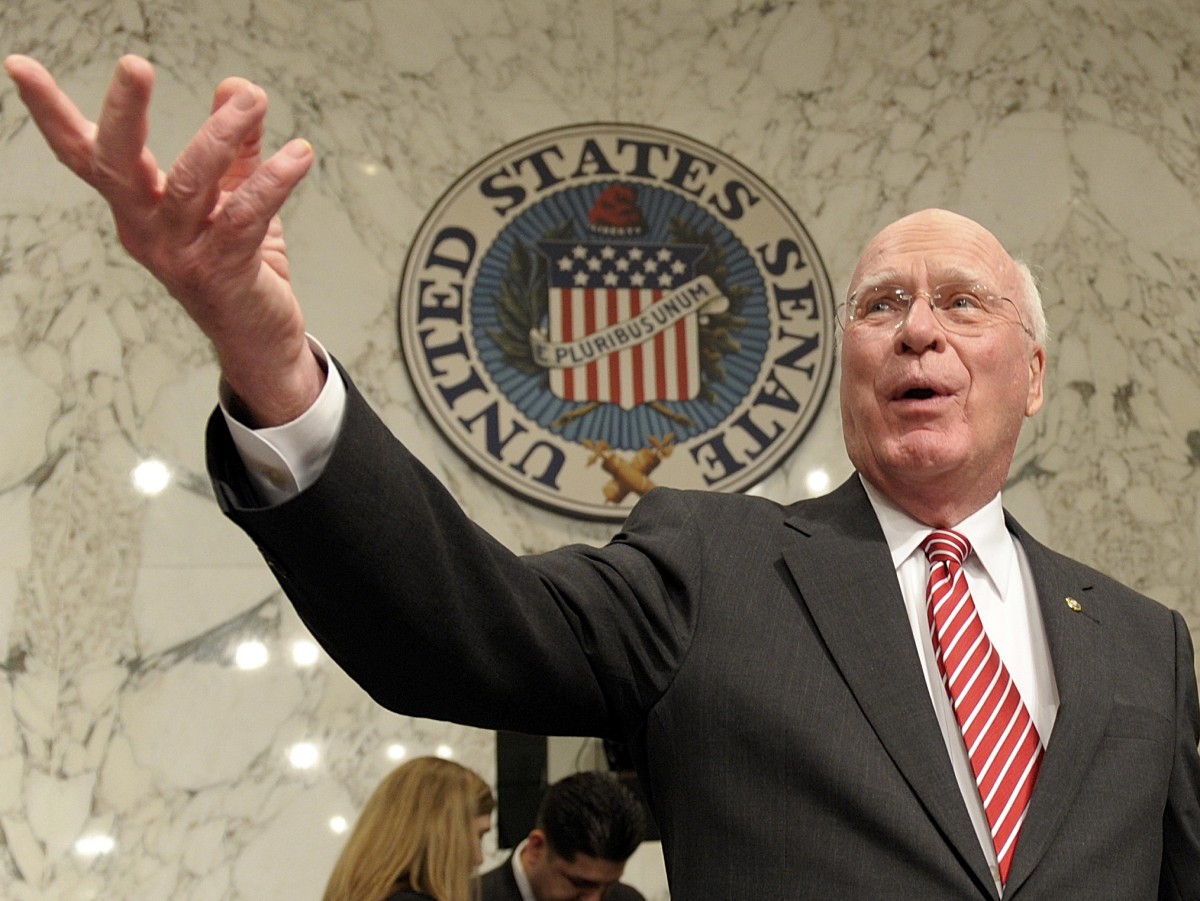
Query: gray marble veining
point(137, 759)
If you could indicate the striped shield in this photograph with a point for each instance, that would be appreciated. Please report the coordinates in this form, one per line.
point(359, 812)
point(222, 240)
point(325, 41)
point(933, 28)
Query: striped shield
point(623, 321)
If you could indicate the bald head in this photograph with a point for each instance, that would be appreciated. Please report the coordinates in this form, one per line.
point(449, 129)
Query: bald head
point(933, 230)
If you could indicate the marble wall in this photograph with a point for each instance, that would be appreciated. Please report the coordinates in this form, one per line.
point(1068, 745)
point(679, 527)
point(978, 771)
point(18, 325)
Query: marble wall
point(166, 728)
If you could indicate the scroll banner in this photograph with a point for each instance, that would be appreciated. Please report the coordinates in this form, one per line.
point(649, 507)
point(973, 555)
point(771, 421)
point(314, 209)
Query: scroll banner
point(689, 299)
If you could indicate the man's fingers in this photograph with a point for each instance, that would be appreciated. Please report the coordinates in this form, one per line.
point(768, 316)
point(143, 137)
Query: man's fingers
point(247, 213)
point(68, 132)
point(123, 169)
point(250, 154)
point(230, 136)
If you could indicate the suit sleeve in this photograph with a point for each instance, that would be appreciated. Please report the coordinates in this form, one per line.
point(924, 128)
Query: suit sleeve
point(1181, 820)
point(435, 618)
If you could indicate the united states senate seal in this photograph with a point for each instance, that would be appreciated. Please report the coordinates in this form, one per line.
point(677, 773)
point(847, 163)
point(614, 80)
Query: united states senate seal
point(601, 308)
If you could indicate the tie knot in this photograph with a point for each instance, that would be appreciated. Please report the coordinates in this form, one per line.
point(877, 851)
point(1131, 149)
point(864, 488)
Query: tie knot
point(944, 546)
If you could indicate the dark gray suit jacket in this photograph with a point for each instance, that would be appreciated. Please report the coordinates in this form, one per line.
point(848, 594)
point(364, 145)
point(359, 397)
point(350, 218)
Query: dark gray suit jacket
point(758, 661)
point(500, 884)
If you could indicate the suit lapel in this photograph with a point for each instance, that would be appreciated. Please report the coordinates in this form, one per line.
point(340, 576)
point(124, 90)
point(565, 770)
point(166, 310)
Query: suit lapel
point(1085, 693)
point(846, 579)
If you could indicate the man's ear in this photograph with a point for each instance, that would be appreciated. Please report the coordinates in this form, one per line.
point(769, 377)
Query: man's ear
point(536, 848)
point(1037, 374)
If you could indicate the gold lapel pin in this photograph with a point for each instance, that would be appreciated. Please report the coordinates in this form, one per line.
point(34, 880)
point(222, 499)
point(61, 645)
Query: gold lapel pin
point(1074, 604)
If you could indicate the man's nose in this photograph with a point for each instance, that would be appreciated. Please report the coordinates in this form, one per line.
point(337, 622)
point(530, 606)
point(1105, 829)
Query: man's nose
point(920, 329)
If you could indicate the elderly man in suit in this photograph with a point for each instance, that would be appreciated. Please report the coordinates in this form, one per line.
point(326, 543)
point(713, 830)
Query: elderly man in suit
point(586, 827)
point(891, 691)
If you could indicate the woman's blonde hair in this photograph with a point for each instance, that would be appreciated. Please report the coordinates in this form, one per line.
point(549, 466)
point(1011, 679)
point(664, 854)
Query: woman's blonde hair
point(416, 832)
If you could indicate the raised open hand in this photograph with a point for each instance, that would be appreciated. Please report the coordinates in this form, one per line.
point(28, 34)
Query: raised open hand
point(208, 228)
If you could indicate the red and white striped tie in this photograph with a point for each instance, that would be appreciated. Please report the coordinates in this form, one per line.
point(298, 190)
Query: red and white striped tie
point(1001, 740)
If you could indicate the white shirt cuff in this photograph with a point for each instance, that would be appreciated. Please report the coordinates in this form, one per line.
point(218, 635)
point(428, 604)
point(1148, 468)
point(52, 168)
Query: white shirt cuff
point(284, 460)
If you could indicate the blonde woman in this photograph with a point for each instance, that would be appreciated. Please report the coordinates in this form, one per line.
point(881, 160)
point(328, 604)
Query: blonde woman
point(418, 838)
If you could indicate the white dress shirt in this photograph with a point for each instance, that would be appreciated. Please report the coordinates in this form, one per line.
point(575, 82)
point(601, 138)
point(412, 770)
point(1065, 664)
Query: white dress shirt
point(523, 885)
point(284, 460)
point(1002, 588)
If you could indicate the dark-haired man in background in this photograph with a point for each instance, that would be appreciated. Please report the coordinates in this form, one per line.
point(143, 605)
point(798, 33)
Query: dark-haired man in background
point(587, 825)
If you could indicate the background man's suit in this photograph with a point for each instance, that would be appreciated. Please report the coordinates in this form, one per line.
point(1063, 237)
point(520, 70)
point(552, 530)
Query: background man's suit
point(500, 884)
point(758, 661)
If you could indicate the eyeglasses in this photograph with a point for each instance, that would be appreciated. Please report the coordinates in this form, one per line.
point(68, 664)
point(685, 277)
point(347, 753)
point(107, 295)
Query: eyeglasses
point(962, 308)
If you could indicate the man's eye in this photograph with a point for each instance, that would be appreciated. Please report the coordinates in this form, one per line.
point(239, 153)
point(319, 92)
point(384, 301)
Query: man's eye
point(962, 300)
point(881, 303)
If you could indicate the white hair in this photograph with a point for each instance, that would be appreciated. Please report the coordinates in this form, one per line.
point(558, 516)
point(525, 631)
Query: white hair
point(1033, 302)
